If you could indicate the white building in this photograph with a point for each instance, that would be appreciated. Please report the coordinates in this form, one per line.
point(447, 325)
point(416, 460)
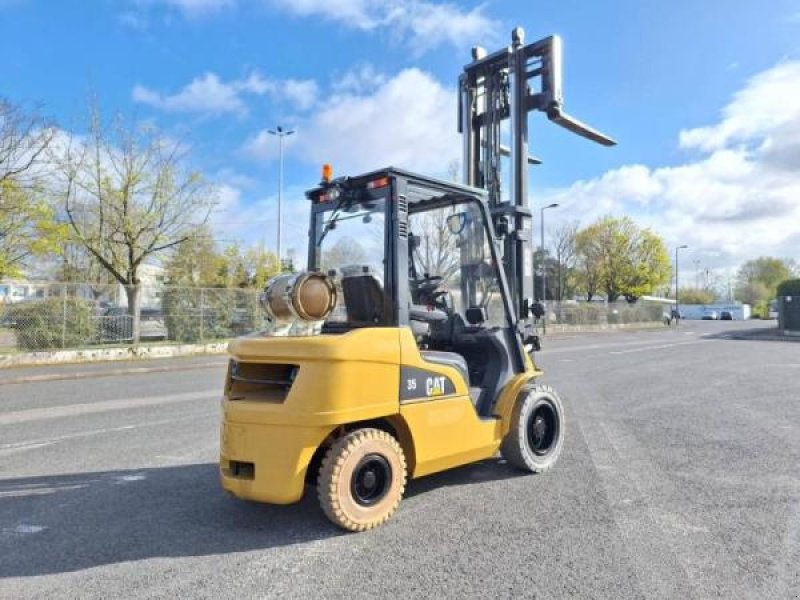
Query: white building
point(738, 311)
point(152, 284)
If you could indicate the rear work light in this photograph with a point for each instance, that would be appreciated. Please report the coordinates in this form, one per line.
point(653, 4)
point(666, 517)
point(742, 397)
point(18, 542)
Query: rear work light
point(378, 183)
point(329, 196)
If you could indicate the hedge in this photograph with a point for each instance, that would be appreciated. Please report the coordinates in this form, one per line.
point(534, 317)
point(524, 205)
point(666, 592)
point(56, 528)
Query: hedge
point(41, 325)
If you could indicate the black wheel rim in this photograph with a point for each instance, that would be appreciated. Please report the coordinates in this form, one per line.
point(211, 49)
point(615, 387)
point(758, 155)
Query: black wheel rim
point(371, 479)
point(543, 429)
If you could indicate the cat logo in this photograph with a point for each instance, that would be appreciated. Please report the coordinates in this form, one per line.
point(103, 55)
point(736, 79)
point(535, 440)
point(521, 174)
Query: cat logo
point(434, 386)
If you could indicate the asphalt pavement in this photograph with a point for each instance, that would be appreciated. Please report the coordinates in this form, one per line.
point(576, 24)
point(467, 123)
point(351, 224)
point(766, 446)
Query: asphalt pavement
point(680, 478)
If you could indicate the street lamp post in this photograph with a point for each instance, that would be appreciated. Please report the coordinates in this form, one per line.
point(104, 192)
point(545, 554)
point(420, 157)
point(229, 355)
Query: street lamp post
point(677, 298)
point(544, 262)
point(281, 133)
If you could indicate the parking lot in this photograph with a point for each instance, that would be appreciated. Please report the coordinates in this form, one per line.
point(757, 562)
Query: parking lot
point(680, 479)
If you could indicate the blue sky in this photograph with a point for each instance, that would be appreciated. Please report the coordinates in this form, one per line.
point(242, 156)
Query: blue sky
point(366, 83)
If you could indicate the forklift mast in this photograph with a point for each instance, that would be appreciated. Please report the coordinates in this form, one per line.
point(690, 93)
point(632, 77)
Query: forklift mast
point(492, 89)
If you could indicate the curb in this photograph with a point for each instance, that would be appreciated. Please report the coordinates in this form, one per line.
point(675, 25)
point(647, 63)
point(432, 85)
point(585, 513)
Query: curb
point(58, 357)
point(765, 337)
point(109, 373)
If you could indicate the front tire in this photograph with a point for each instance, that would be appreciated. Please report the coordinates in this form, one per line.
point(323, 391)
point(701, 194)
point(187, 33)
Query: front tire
point(536, 435)
point(362, 479)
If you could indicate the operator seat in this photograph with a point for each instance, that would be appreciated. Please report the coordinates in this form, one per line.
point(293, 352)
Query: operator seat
point(363, 295)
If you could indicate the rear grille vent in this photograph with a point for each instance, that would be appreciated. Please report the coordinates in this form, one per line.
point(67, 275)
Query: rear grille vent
point(266, 382)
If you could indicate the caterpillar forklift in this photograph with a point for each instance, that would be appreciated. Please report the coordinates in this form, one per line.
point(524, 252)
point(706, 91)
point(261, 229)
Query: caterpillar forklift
point(406, 347)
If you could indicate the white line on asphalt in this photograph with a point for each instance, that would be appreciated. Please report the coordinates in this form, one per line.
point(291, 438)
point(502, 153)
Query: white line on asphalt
point(55, 412)
point(659, 347)
point(6, 449)
point(595, 347)
point(43, 491)
point(106, 373)
point(23, 529)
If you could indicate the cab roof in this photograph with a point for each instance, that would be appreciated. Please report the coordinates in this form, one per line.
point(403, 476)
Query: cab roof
point(419, 187)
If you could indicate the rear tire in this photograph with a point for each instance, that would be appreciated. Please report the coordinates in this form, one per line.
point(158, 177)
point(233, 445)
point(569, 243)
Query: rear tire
point(536, 436)
point(362, 479)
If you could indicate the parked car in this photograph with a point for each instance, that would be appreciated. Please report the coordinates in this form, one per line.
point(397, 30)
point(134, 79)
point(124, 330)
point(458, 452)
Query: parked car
point(116, 325)
point(725, 316)
point(710, 315)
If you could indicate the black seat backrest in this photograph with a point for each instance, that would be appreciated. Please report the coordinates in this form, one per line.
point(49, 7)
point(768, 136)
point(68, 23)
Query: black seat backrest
point(363, 297)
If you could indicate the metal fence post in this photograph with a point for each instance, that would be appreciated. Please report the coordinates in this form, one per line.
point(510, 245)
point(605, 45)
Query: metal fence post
point(64, 316)
point(202, 317)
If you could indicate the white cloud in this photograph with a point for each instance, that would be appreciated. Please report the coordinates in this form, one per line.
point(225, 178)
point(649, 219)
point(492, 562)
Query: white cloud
point(408, 121)
point(254, 220)
point(359, 80)
point(422, 24)
point(769, 101)
point(739, 199)
point(205, 94)
point(210, 95)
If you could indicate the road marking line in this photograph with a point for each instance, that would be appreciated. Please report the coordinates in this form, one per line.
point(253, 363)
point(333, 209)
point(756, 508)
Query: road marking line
point(6, 449)
point(108, 373)
point(596, 347)
point(56, 412)
point(659, 347)
point(24, 529)
point(44, 491)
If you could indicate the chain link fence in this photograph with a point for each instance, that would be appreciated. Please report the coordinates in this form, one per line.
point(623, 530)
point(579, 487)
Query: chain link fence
point(603, 313)
point(52, 316)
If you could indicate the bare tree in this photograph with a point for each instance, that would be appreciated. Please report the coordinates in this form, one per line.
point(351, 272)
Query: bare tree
point(24, 138)
point(128, 197)
point(562, 240)
point(436, 252)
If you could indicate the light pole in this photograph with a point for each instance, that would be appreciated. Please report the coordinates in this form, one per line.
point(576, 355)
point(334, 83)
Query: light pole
point(696, 262)
point(281, 133)
point(544, 262)
point(677, 299)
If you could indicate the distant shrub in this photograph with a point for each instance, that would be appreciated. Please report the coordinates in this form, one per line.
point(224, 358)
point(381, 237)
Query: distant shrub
point(195, 315)
point(760, 310)
point(41, 325)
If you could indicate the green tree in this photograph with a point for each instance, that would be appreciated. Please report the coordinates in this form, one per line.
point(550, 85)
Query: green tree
point(647, 266)
point(195, 262)
point(696, 296)
point(260, 265)
point(128, 197)
point(589, 268)
point(757, 280)
point(201, 301)
point(28, 228)
point(619, 258)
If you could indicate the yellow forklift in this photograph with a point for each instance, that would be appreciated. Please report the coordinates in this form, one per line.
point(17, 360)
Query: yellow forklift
point(406, 347)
